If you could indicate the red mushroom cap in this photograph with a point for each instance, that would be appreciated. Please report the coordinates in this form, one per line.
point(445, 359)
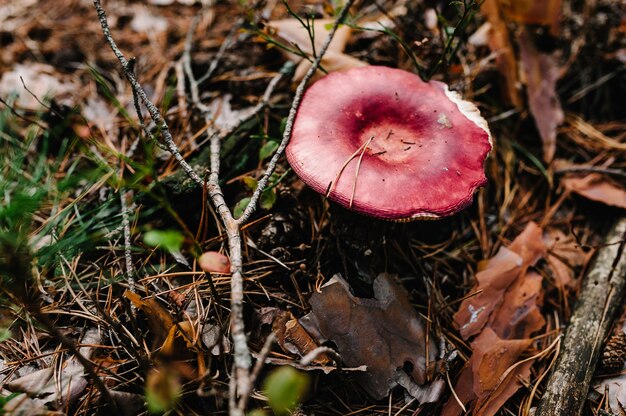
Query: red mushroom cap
point(385, 143)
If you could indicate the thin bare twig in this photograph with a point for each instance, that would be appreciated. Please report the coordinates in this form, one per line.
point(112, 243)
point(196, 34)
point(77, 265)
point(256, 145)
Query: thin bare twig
point(155, 114)
point(228, 42)
point(271, 166)
point(591, 169)
point(241, 381)
point(258, 366)
point(130, 268)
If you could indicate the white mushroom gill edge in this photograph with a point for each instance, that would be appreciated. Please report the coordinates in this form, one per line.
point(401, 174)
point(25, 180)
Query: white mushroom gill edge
point(469, 110)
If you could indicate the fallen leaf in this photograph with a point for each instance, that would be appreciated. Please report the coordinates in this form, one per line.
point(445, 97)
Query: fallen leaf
point(24, 405)
point(331, 62)
point(382, 333)
point(214, 262)
point(481, 382)
point(169, 2)
point(597, 188)
point(541, 74)
point(492, 357)
point(58, 389)
point(182, 333)
point(146, 22)
point(500, 43)
point(292, 31)
point(129, 404)
point(615, 390)
point(294, 339)
point(224, 115)
point(98, 112)
point(614, 387)
point(531, 12)
point(41, 80)
point(499, 273)
point(464, 391)
point(159, 319)
point(565, 255)
point(519, 316)
point(504, 314)
point(212, 336)
point(293, 34)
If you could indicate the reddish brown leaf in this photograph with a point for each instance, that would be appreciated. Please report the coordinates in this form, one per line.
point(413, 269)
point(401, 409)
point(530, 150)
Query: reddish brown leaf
point(531, 12)
point(509, 301)
point(492, 358)
point(481, 382)
point(383, 333)
point(499, 273)
point(564, 256)
point(596, 188)
point(500, 44)
point(464, 389)
point(541, 74)
point(519, 316)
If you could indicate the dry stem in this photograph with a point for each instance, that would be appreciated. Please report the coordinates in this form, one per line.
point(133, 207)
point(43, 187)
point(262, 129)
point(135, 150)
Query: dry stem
point(241, 381)
point(599, 299)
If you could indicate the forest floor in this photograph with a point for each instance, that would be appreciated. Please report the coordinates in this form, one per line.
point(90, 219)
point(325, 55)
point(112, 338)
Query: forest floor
point(109, 305)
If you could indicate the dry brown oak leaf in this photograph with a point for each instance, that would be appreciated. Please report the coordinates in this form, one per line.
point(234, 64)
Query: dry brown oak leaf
point(382, 333)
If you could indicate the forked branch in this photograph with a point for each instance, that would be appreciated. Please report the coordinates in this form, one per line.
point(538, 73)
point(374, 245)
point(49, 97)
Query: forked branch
point(241, 382)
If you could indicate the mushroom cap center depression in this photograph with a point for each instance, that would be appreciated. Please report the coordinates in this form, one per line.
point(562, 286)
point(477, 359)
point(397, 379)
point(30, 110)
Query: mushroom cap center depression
point(392, 133)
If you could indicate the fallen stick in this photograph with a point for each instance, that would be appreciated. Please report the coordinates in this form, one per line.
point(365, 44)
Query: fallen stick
point(598, 301)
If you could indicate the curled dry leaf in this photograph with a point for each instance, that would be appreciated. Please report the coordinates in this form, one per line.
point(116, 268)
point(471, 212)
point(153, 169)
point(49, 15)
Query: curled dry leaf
point(565, 255)
point(597, 188)
point(484, 380)
point(292, 33)
point(49, 387)
point(541, 74)
point(504, 315)
point(500, 272)
point(500, 43)
point(382, 333)
point(214, 262)
point(293, 338)
point(519, 315)
point(159, 319)
point(615, 390)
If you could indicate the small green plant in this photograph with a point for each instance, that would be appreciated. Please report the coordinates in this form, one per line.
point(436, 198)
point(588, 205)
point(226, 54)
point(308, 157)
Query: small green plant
point(170, 240)
point(163, 390)
point(285, 387)
point(4, 400)
point(452, 32)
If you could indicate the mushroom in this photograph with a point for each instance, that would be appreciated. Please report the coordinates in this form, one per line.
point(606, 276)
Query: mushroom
point(386, 144)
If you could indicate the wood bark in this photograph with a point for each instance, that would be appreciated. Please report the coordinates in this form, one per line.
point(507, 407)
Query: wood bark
point(600, 298)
